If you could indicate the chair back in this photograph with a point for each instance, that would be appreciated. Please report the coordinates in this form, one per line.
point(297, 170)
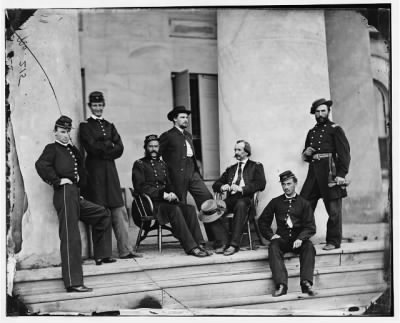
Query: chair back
point(142, 209)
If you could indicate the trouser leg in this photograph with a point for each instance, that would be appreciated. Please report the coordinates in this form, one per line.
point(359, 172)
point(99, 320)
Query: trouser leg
point(307, 261)
point(219, 233)
point(276, 250)
point(189, 214)
point(100, 219)
point(66, 203)
point(120, 224)
point(200, 193)
point(240, 210)
point(334, 224)
point(179, 226)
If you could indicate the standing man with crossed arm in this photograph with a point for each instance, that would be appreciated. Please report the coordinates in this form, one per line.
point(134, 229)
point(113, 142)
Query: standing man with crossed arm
point(103, 145)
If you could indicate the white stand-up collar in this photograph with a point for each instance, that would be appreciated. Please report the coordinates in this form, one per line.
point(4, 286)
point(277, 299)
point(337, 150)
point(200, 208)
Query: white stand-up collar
point(96, 118)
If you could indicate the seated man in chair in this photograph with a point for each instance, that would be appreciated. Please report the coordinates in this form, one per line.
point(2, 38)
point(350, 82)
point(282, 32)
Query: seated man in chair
point(240, 181)
point(150, 176)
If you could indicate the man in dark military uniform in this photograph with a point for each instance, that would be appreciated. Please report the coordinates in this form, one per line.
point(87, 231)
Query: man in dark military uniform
point(103, 145)
point(240, 181)
point(150, 176)
point(328, 153)
point(177, 150)
point(60, 165)
point(295, 226)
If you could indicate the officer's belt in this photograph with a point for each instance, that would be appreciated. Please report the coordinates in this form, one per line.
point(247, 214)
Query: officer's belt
point(321, 156)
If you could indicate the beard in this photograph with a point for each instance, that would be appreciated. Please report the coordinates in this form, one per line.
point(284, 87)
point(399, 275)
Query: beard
point(321, 119)
point(152, 154)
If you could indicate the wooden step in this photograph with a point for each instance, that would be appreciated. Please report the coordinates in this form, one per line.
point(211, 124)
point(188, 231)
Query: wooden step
point(363, 252)
point(325, 299)
point(255, 284)
point(176, 278)
point(215, 287)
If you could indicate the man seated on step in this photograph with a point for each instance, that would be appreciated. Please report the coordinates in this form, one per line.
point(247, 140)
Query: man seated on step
point(150, 176)
point(295, 226)
point(61, 166)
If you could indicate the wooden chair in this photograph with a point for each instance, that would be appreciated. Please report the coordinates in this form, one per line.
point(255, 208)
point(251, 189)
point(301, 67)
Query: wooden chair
point(251, 218)
point(142, 213)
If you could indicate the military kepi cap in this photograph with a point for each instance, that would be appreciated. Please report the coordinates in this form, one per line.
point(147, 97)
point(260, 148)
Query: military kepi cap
point(286, 175)
point(149, 138)
point(319, 102)
point(64, 122)
point(175, 111)
point(96, 97)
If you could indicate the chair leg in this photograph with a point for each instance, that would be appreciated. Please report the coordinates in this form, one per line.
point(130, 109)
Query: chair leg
point(89, 235)
point(257, 228)
point(159, 239)
point(138, 239)
point(249, 234)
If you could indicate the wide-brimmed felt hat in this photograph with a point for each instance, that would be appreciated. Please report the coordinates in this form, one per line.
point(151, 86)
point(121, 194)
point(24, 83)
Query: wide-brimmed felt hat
point(212, 210)
point(319, 102)
point(175, 111)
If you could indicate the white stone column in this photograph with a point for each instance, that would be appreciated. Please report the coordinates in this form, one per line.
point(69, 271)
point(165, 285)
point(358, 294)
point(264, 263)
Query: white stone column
point(272, 64)
point(52, 36)
point(351, 81)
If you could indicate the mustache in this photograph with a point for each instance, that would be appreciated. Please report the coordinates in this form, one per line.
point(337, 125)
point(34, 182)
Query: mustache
point(151, 152)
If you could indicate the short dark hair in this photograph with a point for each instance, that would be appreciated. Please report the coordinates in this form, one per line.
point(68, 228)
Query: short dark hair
point(56, 127)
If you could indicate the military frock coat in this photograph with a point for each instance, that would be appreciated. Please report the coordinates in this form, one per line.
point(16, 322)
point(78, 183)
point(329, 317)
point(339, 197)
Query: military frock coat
point(58, 161)
point(326, 138)
point(297, 209)
point(103, 145)
point(151, 177)
point(173, 151)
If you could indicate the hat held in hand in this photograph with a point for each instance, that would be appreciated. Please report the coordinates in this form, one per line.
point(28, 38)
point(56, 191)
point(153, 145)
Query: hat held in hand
point(212, 210)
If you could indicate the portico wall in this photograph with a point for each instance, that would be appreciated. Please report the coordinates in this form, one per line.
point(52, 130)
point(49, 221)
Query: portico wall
point(129, 55)
point(271, 65)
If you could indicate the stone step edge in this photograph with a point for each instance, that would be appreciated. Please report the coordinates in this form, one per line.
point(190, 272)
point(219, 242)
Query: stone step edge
point(179, 283)
point(293, 296)
point(139, 264)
